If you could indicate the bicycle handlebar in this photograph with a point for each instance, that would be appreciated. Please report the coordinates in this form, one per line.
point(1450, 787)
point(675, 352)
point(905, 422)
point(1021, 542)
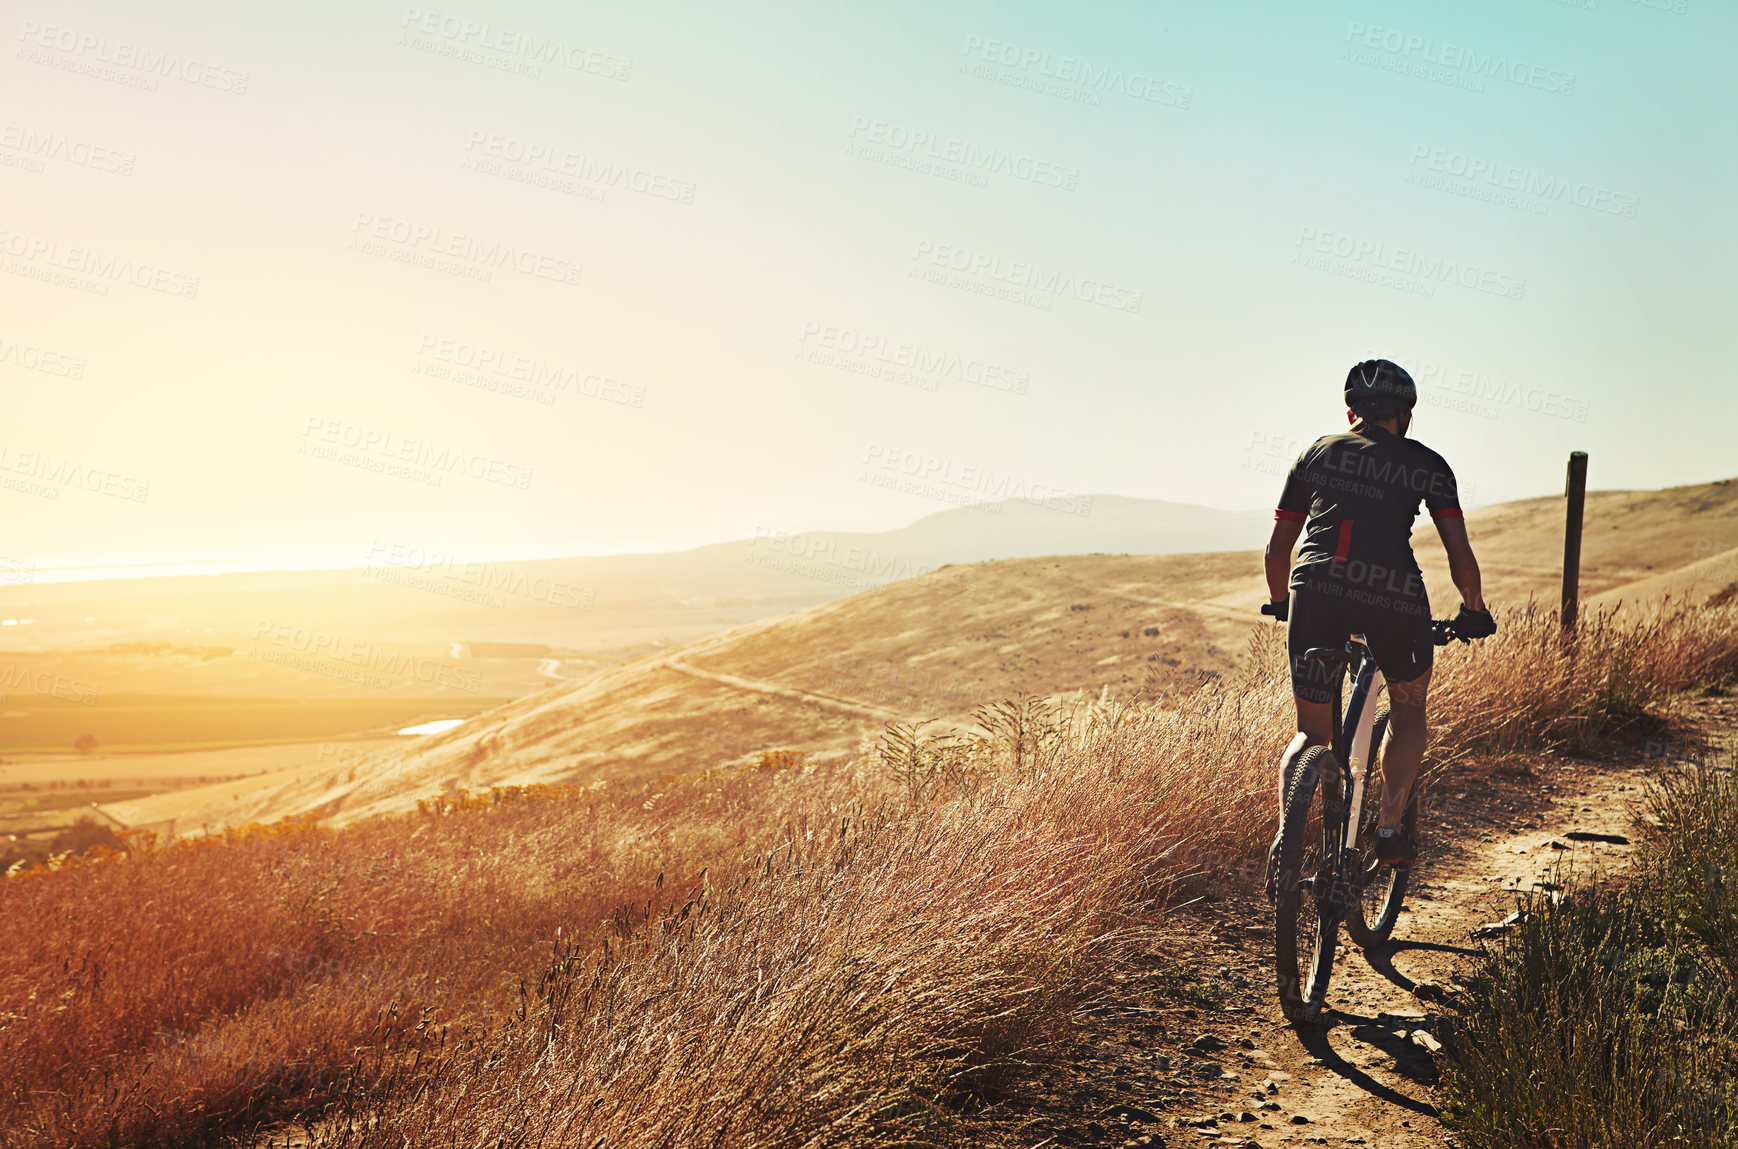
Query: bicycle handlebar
point(1442, 632)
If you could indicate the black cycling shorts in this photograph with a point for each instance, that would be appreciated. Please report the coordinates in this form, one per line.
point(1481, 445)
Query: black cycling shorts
point(1324, 612)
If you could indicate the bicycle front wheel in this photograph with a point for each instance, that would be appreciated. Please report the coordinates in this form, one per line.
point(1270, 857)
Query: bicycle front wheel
point(1308, 923)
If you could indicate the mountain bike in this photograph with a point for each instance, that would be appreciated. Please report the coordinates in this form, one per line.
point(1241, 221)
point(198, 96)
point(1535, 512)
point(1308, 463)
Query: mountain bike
point(1326, 857)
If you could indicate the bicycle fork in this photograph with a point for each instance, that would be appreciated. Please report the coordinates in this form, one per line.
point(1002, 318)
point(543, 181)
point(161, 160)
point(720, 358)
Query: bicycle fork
point(1343, 805)
point(1358, 754)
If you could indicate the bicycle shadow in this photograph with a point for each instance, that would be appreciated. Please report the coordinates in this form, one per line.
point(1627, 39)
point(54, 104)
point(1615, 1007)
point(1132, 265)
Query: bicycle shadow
point(1410, 1062)
point(1382, 961)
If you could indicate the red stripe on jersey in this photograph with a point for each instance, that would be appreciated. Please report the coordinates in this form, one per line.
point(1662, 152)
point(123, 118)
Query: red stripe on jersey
point(1290, 516)
point(1447, 513)
point(1345, 546)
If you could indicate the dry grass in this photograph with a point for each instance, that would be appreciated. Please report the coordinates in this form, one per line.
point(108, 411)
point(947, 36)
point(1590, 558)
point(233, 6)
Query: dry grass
point(1694, 847)
point(786, 956)
point(1609, 1019)
point(1527, 690)
point(1596, 1025)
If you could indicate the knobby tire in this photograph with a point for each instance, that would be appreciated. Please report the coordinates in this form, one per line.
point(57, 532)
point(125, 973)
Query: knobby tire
point(1307, 927)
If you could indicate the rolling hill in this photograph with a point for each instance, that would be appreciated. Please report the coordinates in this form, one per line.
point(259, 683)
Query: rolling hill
point(824, 678)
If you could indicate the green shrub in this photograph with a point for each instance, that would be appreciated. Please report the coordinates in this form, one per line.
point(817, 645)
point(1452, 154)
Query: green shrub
point(1694, 850)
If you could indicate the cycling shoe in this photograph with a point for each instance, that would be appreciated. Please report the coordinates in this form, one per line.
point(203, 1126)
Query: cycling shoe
point(1396, 848)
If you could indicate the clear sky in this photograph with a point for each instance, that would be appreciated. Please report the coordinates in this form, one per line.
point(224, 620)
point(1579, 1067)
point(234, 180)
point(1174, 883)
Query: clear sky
point(283, 282)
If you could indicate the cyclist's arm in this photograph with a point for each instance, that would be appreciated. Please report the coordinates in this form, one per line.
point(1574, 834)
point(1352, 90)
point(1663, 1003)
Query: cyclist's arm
point(1278, 557)
point(1462, 566)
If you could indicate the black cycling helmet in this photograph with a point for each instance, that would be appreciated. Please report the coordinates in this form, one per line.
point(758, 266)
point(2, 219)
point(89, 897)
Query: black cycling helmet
point(1381, 379)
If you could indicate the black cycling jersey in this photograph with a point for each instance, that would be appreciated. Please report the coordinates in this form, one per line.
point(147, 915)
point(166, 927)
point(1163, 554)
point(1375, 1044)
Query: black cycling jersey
point(1359, 492)
point(1356, 573)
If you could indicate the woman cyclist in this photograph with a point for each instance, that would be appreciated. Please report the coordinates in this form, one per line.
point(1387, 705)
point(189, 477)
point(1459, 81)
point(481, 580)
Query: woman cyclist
point(1355, 496)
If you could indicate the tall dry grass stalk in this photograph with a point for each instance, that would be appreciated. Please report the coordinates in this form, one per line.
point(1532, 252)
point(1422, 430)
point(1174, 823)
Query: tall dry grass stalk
point(783, 956)
point(1531, 689)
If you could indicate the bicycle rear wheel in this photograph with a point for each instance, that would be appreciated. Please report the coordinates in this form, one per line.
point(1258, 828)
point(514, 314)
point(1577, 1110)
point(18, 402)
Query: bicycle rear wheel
point(1308, 924)
point(1382, 889)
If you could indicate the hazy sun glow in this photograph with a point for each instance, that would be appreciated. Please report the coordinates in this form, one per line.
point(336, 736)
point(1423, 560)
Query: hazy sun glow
point(531, 279)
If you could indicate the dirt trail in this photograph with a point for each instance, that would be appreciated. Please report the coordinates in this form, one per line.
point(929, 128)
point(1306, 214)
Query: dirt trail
point(1228, 1070)
point(1368, 1072)
point(808, 697)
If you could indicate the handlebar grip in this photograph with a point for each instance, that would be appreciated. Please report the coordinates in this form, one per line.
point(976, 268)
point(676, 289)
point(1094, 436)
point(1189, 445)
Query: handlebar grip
point(1446, 630)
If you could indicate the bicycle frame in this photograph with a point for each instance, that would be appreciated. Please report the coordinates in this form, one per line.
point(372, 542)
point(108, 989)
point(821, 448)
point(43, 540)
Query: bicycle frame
point(1352, 734)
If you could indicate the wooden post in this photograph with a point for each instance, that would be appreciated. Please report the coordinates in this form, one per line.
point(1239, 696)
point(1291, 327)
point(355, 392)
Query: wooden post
point(1576, 489)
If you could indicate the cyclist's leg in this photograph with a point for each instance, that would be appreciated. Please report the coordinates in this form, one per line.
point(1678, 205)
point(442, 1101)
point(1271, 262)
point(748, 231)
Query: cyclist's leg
point(1403, 749)
point(1399, 636)
point(1315, 621)
point(1315, 727)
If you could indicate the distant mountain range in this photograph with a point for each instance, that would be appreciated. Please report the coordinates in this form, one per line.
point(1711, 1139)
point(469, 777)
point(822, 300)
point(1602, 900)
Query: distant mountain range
point(1091, 524)
point(607, 603)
